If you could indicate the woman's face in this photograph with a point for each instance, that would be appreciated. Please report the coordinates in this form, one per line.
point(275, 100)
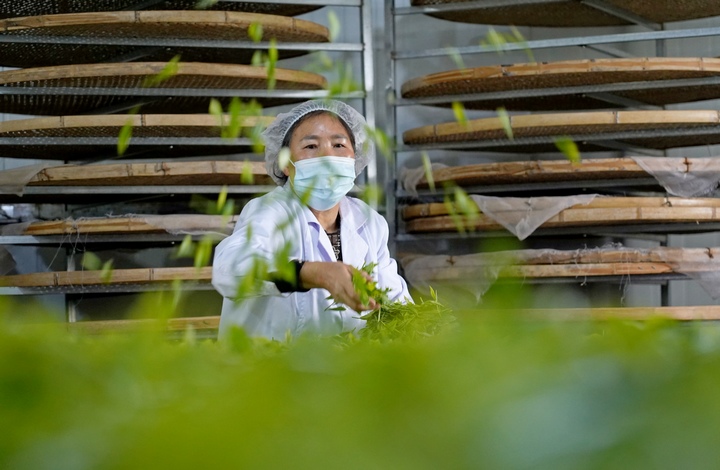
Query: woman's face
point(321, 135)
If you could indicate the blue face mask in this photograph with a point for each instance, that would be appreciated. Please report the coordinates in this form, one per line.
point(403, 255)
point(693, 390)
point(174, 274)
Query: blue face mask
point(323, 181)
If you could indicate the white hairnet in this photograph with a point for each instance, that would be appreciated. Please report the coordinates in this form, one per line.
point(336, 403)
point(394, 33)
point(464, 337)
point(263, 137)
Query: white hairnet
point(275, 134)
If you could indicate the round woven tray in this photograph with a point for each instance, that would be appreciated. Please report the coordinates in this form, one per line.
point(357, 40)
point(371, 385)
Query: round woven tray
point(149, 26)
point(118, 276)
point(575, 13)
point(15, 8)
point(562, 74)
point(136, 75)
point(530, 264)
point(109, 126)
point(698, 127)
point(537, 171)
point(434, 217)
point(215, 172)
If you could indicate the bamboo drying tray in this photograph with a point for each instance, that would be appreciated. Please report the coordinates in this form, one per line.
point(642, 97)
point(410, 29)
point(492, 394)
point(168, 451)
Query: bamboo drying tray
point(215, 172)
point(136, 224)
point(148, 26)
point(89, 77)
point(503, 78)
point(137, 276)
point(575, 13)
point(109, 126)
point(579, 263)
point(171, 325)
point(434, 217)
point(538, 171)
point(697, 127)
point(15, 8)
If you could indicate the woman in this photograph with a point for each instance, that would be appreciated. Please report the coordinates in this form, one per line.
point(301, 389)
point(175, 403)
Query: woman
point(308, 220)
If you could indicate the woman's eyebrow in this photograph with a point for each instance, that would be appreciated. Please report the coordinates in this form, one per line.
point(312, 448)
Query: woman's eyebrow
point(316, 137)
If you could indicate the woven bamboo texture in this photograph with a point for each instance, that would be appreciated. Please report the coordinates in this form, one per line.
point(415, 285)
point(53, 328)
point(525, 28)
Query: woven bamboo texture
point(137, 224)
point(434, 217)
point(137, 76)
point(89, 127)
point(537, 171)
point(577, 124)
point(209, 323)
point(216, 172)
point(17, 8)
point(149, 26)
point(503, 78)
point(140, 276)
point(574, 13)
point(581, 263)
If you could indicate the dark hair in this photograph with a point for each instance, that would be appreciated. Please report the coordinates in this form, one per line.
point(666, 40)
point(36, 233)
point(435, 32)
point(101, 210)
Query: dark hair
point(291, 131)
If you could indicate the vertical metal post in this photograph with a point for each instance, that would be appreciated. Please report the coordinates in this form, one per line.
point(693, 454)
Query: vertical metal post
point(368, 66)
point(70, 302)
point(388, 96)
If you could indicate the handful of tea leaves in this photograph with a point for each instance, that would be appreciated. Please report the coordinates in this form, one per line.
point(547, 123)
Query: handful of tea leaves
point(367, 289)
point(407, 321)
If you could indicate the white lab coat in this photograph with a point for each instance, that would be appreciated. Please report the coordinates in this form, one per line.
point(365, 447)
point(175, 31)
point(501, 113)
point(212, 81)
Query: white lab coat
point(264, 227)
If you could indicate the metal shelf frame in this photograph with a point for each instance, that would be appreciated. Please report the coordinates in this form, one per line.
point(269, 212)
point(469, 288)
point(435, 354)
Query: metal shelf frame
point(367, 73)
point(610, 141)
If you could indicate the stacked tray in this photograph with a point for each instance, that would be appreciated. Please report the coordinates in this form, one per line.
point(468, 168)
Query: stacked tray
point(63, 75)
point(537, 264)
point(132, 79)
point(52, 7)
point(651, 81)
point(538, 132)
point(78, 279)
point(573, 13)
point(603, 211)
point(216, 172)
point(109, 36)
point(95, 137)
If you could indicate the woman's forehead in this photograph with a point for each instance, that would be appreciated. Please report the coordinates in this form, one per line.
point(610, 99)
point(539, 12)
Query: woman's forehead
point(321, 125)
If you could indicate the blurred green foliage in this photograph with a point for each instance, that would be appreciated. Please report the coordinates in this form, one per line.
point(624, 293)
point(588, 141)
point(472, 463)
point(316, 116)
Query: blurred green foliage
point(493, 392)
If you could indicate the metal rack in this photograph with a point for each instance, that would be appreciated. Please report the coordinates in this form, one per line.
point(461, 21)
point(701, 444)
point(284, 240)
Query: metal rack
point(611, 142)
point(50, 194)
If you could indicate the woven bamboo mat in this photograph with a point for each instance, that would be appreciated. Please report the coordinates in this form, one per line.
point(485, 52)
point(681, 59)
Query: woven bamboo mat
point(579, 124)
point(141, 276)
point(200, 173)
point(137, 224)
point(198, 324)
point(137, 76)
point(434, 217)
point(537, 171)
point(149, 26)
point(15, 8)
point(503, 78)
point(580, 263)
point(574, 13)
point(89, 127)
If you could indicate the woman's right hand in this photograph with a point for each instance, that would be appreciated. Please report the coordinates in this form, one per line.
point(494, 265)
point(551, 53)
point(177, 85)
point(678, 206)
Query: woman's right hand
point(336, 278)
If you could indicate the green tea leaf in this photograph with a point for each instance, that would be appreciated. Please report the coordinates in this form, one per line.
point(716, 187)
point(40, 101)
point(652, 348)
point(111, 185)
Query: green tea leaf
point(459, 112)
point(568, 148)
point(124, 137)
point(247, 177)
point(255, 32)
point(170, 70)
point(427, 166)
point(333, 25)
point(506, 122)
point(91, 261)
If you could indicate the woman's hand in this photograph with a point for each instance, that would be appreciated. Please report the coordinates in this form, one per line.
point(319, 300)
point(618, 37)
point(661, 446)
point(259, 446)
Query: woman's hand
point(336, 278)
